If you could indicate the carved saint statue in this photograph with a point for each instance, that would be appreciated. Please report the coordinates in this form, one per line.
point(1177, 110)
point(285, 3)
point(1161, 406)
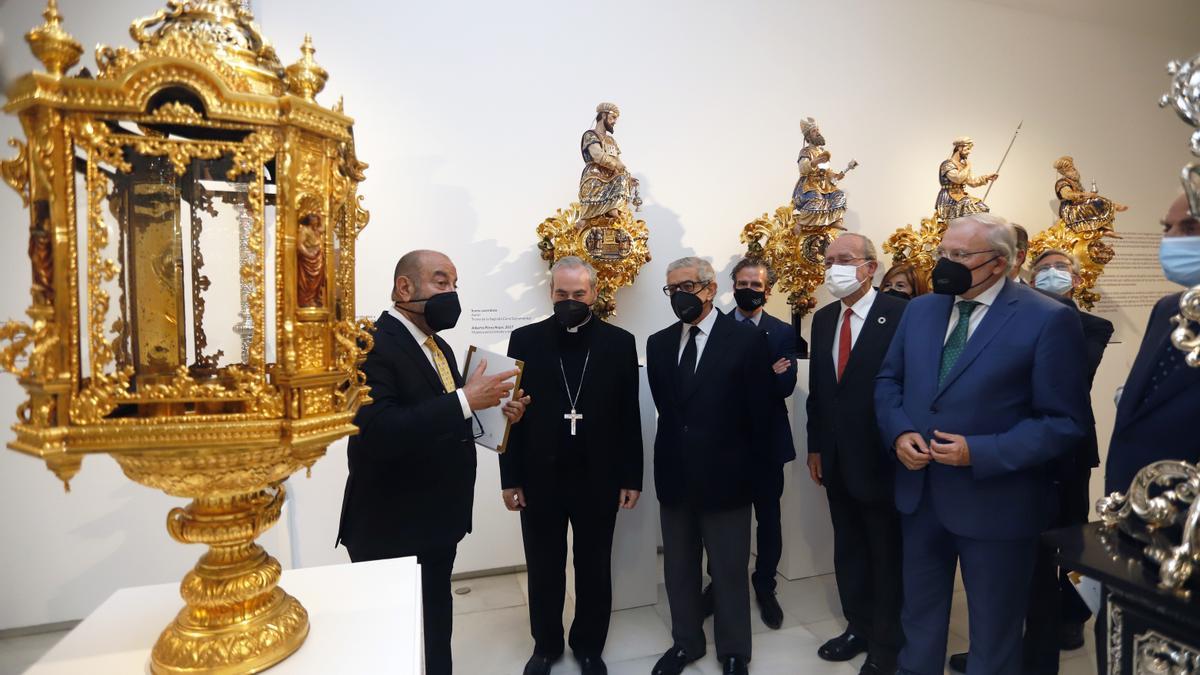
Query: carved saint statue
point(1081, 209)
point(816, 198)
point(606, 186)
point(310, 262)
point(41, 253)
point(954, 176)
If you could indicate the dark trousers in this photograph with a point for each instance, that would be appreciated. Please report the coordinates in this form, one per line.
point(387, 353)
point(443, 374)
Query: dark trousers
point(592, 516)
point(437, 604)
point(996, 575)
point(725, 536)
point(866, 560)
point(767, 494)
point(1053, 600)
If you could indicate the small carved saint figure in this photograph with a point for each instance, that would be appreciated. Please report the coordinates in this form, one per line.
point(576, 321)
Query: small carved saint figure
point(41, 253)
point(606, 186)
point(310, 262)
point(954, 176)
point(816, 198)
point(1081, 209)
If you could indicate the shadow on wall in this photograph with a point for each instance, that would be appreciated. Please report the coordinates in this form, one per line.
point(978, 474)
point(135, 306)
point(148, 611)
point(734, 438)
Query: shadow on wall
point(643, 303)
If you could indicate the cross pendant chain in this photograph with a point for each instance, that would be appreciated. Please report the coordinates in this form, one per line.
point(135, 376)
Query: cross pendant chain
point(573, 416)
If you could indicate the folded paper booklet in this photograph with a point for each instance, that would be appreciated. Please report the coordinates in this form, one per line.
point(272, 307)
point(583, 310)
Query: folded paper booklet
point(491, 426)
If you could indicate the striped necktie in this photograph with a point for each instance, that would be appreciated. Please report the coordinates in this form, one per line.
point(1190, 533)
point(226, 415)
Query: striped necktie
point(439, 362)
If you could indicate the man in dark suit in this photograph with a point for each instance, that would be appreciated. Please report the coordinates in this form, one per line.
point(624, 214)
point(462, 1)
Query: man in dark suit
point(753, 280)
point(1056, 613)
point(983, 385)
point(850, 338)
point(412, 464)
point(575, 458)
point(711, 381)
point(1153, 406)
point(1159, 397)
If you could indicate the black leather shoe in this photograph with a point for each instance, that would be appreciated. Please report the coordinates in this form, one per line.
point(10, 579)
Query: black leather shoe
point(875, 667)
point(539, 664)
point(734, 665)
point(1070, 636)
point(674, 661)
point(843, 647)
point(706, 600)
point(591, 665)
point(958, 662)
point(769, 610)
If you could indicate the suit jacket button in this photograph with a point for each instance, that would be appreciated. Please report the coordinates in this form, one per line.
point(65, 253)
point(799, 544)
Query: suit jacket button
point(933, 409)
point(685, 429)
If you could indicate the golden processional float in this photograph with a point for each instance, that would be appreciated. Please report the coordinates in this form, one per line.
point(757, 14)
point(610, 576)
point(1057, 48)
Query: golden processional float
point(192, 218)
point(792, 241)
point(1161, 508)
point(600, 228)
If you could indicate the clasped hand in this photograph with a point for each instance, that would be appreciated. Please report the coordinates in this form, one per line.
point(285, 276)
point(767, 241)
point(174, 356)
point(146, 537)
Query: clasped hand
point(945, 448)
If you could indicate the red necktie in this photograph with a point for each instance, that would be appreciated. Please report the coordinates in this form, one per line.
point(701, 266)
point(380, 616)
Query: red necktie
point(844, 344)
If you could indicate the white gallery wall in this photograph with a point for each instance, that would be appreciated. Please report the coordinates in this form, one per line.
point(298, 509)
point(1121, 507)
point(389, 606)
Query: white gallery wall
point(470, 115)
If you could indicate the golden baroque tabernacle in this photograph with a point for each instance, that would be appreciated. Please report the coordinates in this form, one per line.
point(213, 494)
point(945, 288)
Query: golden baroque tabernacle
point(193, 213)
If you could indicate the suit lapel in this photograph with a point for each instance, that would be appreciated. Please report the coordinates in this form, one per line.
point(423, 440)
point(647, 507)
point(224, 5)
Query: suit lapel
point(712, 346)
point(1134, 402)
point(823, 349)
point(997, 315)
point(414, 351)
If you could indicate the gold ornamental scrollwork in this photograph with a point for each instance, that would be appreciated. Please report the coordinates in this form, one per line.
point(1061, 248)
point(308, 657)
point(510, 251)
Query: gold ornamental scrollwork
point(796, 253)
point(917, 246)
point(15, 171)
point(616, 246)
point(1087, 246)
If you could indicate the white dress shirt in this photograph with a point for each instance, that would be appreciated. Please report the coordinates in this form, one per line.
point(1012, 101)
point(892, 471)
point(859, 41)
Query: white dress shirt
point(858, 316)
point(420, 336)
point(985, 300)
point(705, 326)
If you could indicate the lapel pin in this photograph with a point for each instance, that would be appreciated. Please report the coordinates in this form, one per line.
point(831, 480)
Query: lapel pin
point(882, 320)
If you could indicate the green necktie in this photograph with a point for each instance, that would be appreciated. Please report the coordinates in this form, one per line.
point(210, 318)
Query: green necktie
point(958, 339)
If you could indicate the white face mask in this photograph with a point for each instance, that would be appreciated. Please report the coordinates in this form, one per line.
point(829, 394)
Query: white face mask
point(1053, 281)
point(842, 280)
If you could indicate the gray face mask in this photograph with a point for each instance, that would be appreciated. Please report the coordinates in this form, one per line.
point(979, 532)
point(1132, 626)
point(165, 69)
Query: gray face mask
point(1053, 281)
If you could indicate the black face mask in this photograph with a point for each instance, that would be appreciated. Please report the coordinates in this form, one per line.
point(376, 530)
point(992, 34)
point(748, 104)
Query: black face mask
point(896, 293)
point(688, 306)
point(441, 310)
point(748, 300)
point(954, 278)
point(571, 313)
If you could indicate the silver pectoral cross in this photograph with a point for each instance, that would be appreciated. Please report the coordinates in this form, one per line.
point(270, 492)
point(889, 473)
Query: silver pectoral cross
point(574, 417)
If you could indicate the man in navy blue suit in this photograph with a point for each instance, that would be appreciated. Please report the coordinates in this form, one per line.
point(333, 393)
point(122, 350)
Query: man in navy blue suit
point(1152, 410)
point(753, 280)
point(983, 385)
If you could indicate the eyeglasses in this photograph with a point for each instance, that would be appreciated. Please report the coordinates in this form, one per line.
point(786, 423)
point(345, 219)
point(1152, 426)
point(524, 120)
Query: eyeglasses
point(685, 286)
point(1060, 266)
point(958, 256)
point(830, 262)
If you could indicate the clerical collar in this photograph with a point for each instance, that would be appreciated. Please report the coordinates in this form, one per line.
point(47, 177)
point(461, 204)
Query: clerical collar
point(575, 329)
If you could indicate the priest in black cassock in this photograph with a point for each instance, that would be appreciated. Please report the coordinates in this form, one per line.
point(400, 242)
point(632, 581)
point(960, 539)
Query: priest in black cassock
point(575, 457)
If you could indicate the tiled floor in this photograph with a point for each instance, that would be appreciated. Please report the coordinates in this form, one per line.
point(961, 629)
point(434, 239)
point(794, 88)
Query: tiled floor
point(491, 634)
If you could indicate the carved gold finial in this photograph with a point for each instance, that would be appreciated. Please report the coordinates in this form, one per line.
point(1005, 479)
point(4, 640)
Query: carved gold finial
point(305, 78)
point(52, 45)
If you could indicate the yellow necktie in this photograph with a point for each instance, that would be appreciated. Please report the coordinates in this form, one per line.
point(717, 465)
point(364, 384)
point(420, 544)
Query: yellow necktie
point(439, 362)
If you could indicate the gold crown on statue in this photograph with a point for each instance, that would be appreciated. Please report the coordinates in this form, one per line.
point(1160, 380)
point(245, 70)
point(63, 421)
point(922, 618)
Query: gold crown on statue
point(608, 108)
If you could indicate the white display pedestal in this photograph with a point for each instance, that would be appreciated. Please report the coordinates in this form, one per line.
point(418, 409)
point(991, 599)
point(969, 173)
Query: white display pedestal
point(635, 541)
point(807, 529)
point(364, 618)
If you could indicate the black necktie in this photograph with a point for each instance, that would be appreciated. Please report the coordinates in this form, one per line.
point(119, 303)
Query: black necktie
point(687, 362)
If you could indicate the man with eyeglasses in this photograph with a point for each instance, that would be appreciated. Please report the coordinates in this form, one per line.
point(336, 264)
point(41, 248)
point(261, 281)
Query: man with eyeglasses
point(983, 386)
point(710, 377)
point(412, 465)
point(850, 337)
point(1056, 614)
point(753, 280)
